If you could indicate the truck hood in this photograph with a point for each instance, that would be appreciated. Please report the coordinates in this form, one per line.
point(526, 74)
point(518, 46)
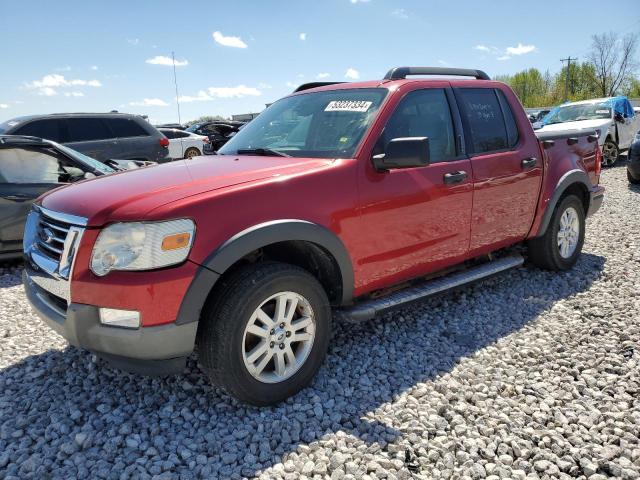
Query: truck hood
point(581, 125)
point(131, 195)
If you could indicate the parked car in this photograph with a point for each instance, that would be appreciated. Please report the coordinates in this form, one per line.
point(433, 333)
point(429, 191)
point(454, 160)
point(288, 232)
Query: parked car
point(102, 136)
point(29, 167)
point(613, 118)
point(171, 125)
point(376, 195)
point(537, 115)
point(633, 166)
point(184, 144)
point(219, 133)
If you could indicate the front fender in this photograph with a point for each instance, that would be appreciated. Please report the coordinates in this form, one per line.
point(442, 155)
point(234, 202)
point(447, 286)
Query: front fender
point(256, 237)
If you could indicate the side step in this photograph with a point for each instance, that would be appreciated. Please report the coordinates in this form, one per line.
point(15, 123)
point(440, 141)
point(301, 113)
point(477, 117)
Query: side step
point(369, 309)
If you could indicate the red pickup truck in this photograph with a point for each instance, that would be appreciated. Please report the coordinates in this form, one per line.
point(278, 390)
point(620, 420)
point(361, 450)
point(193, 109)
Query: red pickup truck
point(338, 201)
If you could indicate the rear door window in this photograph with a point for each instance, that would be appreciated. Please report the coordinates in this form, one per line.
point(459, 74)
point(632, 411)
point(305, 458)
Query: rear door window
point(87, 129)
point(170, 134)
point(509, 119)
point(125, 128)
point(483, 120)
point(48, 129)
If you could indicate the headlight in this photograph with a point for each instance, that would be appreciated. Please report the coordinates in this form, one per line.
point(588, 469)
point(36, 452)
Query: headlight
point(142, 246)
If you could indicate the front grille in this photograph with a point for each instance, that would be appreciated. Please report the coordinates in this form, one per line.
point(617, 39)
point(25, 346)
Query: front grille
point(51, 235)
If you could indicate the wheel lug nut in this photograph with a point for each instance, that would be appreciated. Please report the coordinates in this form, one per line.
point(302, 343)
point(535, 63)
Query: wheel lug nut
point(271, 344)
point(282, 325)
point(281, 346)
point(272, 331)
point(288, 334)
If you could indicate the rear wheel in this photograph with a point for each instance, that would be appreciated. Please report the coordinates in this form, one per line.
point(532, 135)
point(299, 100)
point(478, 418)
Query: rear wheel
point(560, 246)
point(265, 334)
point(610, 153)
point(192, 152)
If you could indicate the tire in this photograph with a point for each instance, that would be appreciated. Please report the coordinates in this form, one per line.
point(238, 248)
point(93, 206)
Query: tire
point(191, 152)
point(632, 179)
point(225, 345)
point(610, 153)
point(545, 251)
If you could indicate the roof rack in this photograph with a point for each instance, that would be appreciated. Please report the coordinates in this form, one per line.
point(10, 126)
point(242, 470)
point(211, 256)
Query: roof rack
point(307, 86)
point(402, 72)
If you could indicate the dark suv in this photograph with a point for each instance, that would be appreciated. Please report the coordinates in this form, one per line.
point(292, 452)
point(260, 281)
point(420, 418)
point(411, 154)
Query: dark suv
point(219, 133)
point(102, 136)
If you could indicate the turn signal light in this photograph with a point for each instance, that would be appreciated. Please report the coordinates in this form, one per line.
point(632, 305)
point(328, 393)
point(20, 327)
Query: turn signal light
point(176, 241)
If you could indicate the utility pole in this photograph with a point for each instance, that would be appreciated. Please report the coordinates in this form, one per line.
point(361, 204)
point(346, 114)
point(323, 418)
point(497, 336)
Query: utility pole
point(175, 81)
point(566, 80)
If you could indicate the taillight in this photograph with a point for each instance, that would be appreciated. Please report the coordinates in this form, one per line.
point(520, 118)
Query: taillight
point(164, 142)
point(206, 140)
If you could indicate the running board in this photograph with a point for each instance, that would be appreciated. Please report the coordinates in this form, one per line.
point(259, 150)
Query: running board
point(369, 309)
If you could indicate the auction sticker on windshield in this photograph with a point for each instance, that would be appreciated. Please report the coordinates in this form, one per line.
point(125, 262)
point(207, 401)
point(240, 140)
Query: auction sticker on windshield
point(348, 106)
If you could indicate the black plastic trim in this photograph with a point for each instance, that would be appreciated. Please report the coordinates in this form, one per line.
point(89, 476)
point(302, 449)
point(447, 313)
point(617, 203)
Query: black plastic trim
point(252, 239)
point(310, 85)
point(568, 179)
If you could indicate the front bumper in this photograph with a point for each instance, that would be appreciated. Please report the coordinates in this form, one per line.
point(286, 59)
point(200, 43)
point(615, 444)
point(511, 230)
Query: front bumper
point(596, 197)
point(155, 350)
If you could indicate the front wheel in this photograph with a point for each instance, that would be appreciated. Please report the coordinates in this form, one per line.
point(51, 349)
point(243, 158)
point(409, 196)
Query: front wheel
point(265, 333)
point(191, 152)
point(610, 153)
point(560, 246)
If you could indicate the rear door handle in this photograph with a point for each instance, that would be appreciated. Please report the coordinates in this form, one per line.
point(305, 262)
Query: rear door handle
point(529, 162)
point(17, 198)
point(455, 177)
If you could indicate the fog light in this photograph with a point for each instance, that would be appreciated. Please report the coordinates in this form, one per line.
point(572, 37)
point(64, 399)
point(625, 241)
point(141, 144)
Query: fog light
point(120, 318)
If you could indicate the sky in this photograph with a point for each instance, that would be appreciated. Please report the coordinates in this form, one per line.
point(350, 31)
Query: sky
point(234, 57)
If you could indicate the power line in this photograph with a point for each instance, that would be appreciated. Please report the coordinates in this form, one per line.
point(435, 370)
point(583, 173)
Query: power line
point(568, 76)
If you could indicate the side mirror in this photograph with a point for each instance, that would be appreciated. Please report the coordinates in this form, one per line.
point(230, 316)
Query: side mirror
point(618, 117)
point(406, 152)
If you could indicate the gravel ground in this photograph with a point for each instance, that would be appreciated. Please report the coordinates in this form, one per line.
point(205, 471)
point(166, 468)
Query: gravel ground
point(529, 375)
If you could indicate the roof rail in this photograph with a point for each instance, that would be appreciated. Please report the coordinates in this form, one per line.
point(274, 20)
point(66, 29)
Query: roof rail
point(402, 72)
point(307, 86)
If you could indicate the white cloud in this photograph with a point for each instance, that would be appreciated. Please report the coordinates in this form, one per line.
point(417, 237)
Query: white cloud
point(506, 54)
point(212, 93)
point(133, 41)
point(323, 75)
point(352, 73)
point(166, 61)
point(400, 13)
point(93, 67)
point(520, 49)
point(302, 36)
point(4, 105)
point(47, 92)
point(73, 94)
point(47, 85)
point(150, 102)
point(235, 42)
point(360, 1)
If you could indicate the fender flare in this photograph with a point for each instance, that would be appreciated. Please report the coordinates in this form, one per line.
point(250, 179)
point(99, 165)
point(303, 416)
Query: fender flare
point(252, 239)
point(568, 179)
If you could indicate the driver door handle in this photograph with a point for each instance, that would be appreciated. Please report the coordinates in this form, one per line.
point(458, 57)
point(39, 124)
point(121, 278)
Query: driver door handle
point(529, 162)
point(455, 177)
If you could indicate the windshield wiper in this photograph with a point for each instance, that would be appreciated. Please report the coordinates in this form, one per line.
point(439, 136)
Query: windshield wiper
point(262, 151)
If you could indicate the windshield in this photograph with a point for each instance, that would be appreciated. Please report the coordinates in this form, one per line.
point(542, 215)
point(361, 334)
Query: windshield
point(88, 161)
point(574, 113)
point(327, 124)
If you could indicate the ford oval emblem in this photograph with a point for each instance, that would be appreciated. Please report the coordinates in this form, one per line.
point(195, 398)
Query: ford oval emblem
point(49, 236)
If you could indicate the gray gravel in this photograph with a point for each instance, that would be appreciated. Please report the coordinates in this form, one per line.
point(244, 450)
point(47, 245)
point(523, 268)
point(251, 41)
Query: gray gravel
point(530, 375)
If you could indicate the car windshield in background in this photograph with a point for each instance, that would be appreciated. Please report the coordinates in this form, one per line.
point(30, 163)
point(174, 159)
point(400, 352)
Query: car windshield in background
point(574, 113)
point(327, 124)
point(88, 161)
